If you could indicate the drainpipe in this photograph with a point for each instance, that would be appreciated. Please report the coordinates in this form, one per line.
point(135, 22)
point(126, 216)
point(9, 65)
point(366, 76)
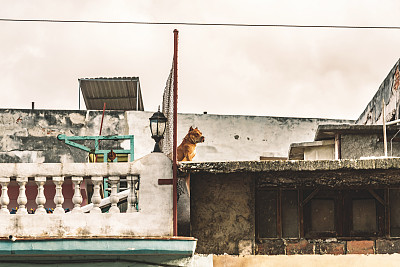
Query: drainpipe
point(338, 146)
point(384, 128)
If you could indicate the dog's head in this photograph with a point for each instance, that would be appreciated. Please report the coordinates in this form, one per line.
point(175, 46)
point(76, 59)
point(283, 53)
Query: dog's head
point(195, 135)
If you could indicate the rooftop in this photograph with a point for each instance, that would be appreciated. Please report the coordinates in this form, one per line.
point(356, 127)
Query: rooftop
point(331, 173)
point(119, 93)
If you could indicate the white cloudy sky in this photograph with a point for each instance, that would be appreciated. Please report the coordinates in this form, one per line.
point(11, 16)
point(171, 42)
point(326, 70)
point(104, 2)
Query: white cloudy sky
point(328, 73)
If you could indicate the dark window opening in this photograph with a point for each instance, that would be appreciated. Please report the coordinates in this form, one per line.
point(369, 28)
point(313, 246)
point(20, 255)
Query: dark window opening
point(314, 213)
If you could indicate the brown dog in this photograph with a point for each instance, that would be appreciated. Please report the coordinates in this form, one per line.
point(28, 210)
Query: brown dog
point(187, 149)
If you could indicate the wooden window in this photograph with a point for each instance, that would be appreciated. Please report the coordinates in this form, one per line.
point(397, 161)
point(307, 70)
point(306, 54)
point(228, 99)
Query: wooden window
point(290, 214)
point(266, 213)
point(394, 198)
point(277, 214)
point(364, 216)
point(315, 213)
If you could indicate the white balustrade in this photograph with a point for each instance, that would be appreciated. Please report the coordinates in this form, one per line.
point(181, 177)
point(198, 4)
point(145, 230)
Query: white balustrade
point(77, 198)
point(132, 197)
point(40, 201)
point(40, 198)
point(4, 199)
point(96, 198)
point(39, 187)
point(58, 198)
point(114, 180)
point(22, 199)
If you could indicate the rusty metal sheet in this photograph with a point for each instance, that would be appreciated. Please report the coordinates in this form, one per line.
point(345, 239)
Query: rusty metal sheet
point(119, 93)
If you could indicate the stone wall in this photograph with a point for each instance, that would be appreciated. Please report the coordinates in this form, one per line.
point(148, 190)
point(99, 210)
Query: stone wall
point(222, 213)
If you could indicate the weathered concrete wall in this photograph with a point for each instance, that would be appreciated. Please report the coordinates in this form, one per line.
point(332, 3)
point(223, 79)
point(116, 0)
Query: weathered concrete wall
point(371, 145)
point(222, 213)
point(248, 137)
point(230, 137)
point(31, 135)
point(389, 92)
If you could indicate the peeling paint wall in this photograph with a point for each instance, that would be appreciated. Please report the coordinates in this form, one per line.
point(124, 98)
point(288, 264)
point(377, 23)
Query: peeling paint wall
point(31, 135)
point(389, 92)
point(229, 137)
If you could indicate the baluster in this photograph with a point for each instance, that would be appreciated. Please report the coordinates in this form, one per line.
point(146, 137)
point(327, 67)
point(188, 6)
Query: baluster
point(77, 198)
point(132, 199)
point(114, 180)
point(40, 198)
point(58, 198)
point(4, 199)
point(22, 200)
point(96, 198)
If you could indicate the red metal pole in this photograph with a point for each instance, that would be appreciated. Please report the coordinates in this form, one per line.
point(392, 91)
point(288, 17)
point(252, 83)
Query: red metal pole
point(102, 117)
point(101, 127)
point(175, 136)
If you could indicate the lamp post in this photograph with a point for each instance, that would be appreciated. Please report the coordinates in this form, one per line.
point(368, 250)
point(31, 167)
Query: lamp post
point(157, 127)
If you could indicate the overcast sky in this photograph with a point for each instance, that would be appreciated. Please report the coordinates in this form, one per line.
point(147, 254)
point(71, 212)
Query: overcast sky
point(290, 72)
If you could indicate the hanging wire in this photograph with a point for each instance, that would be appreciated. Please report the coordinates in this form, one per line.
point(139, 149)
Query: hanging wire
point(205, 24)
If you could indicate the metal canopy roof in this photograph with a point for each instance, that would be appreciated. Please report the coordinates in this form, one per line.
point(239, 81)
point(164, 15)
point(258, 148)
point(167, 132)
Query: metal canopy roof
point(119, 93)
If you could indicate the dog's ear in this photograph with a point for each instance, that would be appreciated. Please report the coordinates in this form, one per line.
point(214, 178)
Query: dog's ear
point(191, 128)
point(196, 128)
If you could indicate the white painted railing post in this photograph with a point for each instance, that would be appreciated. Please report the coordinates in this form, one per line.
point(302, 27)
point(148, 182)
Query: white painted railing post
point(22, 199)
point(58, 198)
point(77, 198)
point(132, 199)
point(40, 198)
point(114, 180)
point(4, 199)
point(96, 198)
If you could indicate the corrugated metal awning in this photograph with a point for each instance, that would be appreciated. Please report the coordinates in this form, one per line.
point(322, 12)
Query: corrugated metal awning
point(119, 93)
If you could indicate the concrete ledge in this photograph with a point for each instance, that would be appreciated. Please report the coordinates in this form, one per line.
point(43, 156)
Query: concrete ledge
point(290, 165)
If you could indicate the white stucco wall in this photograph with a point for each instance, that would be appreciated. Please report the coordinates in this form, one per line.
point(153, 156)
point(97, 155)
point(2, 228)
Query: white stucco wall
point(31, 136)
point(319, 153)
point(229, 137)
point(154, 217)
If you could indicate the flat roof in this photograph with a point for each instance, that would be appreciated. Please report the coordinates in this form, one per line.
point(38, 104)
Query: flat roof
point(119, 93)
point(375, 172)
point(328, 131)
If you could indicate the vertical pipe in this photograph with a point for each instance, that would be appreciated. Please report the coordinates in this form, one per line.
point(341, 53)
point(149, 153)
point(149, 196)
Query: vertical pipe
point(384, 128)
point(338, 148)
point(101, 127)
point(174, 166)
point(79, 95)
point(33, 105)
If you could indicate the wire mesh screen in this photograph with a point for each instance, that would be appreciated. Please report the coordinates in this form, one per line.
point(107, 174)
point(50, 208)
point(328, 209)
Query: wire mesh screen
point(168, 110)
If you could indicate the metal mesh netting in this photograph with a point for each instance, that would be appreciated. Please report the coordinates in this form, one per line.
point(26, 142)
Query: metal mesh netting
point(168, 110)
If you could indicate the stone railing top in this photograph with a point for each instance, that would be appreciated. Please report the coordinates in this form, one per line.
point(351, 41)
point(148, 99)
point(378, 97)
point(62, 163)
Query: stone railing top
point(66, 169)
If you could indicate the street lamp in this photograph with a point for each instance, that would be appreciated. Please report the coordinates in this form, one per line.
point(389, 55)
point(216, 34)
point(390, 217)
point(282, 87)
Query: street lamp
point(157, 128)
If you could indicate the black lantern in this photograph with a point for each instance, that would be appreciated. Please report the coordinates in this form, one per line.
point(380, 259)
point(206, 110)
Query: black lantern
point(157, 127)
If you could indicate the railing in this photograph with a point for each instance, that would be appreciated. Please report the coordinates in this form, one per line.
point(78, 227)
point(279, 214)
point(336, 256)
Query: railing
point(77, 199)
point(38, 188)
